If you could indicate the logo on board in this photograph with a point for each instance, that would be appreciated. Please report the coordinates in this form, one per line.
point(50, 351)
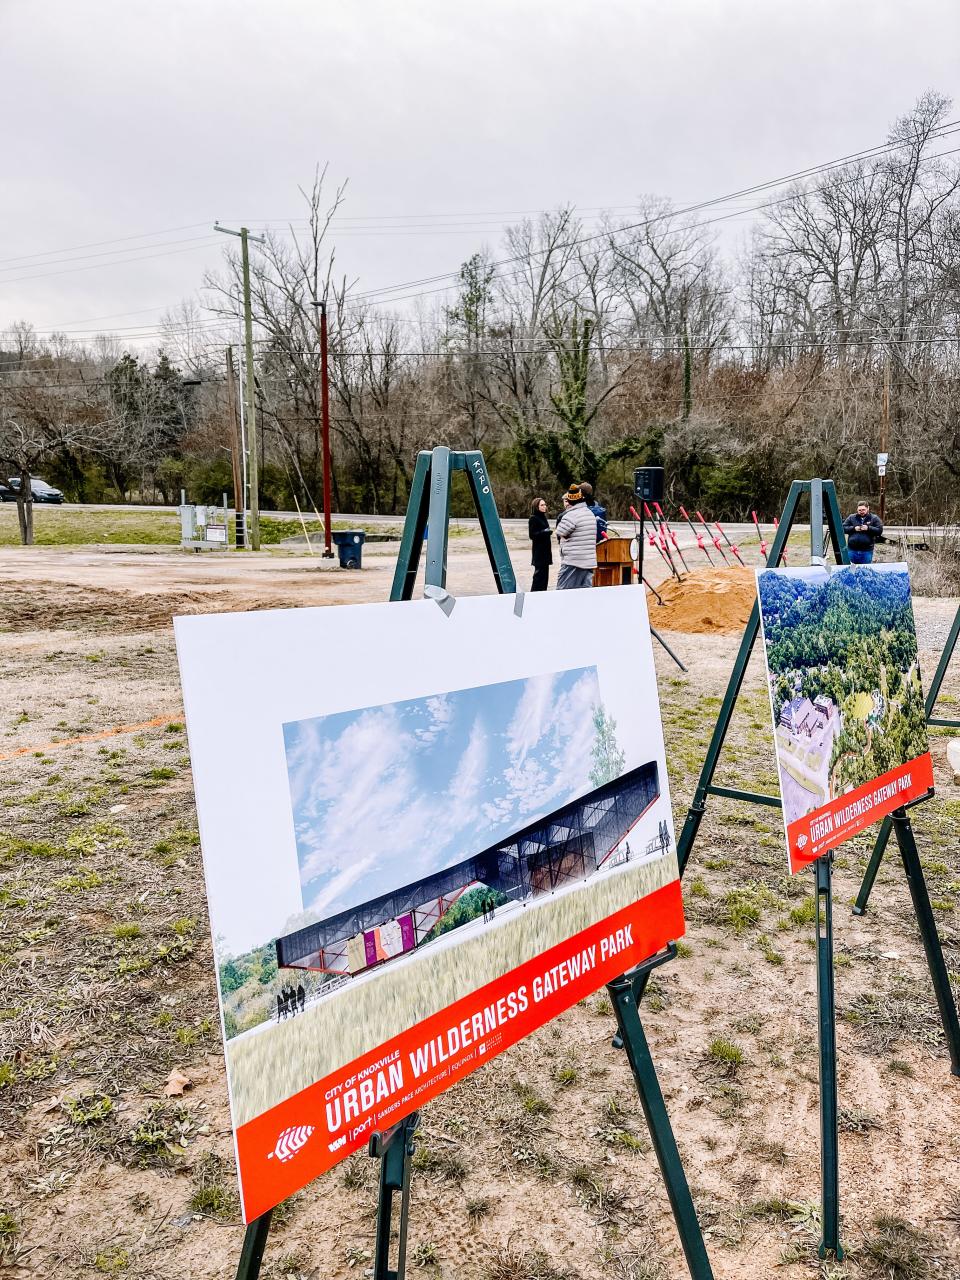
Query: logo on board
point(290, 1142)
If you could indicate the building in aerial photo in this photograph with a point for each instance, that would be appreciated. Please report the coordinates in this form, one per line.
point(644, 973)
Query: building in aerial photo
point(806, 731)
point(580, 839)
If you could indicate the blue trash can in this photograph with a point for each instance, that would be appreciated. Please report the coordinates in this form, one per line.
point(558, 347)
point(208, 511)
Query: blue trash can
point(350, 547)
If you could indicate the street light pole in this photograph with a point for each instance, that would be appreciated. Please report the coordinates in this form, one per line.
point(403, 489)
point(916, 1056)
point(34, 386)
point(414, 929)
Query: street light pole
point(321, 308)
point(249, 388)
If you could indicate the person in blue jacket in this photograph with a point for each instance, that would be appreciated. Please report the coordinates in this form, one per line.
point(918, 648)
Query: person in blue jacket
point(599, 512)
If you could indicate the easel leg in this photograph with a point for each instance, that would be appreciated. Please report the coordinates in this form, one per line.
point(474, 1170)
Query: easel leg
point(657, 636)
point(411, 543)
point(873, 867)
point(490, 526)
point(903, 830)
point(699, 806)
point(254, 1243)
point(394, 1151)
point(658, 1122)
point(826, 1000)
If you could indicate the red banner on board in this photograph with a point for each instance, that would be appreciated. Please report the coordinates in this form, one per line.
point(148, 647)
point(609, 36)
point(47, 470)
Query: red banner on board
point(302, 1137)
point(824, 828)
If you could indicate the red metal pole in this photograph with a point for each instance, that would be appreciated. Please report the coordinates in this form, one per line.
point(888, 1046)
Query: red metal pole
point(716, 540)
point(763, 545)
point(665, 523)
point(698, 536)
point(325, 431)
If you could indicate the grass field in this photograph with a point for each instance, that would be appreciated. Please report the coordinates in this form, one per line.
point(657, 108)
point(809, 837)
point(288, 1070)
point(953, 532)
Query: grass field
point(538, 1166)
point(56, 527)
point(59, 527)
point(278, 1062)
point(861, 706)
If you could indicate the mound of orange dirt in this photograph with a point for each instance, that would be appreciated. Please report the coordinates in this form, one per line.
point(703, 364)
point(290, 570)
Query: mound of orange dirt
point(706, 602)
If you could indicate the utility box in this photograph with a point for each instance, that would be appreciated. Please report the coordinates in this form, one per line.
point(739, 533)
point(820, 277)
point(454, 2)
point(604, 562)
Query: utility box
point(202, 527)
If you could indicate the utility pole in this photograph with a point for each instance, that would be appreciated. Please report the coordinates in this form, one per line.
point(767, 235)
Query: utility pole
point(884, 435)
point(249, 389)
point(239, 497)
point(321, 308)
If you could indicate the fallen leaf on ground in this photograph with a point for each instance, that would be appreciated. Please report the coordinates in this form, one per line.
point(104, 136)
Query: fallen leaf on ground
point(177, 1082)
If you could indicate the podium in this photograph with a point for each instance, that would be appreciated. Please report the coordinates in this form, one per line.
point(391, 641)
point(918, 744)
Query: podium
point(614, 563)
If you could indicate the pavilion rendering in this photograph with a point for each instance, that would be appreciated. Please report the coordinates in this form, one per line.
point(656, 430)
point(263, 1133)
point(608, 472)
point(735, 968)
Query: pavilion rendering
point(560, 849)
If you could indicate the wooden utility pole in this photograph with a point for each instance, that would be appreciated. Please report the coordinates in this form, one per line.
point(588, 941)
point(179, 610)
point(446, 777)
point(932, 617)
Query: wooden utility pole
point(321, 308)
point(249, 389)
point(239, 497)
point(884, 435)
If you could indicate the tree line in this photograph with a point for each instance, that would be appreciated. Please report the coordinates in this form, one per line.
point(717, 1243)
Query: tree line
point(571, 354)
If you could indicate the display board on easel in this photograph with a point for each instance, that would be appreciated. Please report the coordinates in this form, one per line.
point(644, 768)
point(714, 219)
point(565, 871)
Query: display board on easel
point(465, 833)
point(939, 722)
point(824, 510)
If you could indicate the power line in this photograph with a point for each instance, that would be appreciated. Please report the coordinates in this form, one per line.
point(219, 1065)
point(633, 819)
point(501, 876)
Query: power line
point(204, 243)
point(945, 130)
point(95, 244)
point(803, 346)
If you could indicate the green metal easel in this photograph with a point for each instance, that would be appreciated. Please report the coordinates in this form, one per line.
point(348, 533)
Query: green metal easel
point(430, 502)
point(823, 507)
point(933, 693)
point(625, 993)
point(429, 508)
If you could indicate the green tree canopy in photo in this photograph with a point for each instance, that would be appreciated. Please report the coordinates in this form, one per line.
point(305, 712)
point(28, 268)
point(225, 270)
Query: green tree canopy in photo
point(608, 759)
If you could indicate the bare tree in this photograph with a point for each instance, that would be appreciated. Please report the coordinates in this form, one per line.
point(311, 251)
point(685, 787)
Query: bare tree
point(288, 274)
point(39, 420)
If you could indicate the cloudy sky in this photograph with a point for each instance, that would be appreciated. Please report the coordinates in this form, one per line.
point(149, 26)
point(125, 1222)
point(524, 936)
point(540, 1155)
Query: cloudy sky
point(131, 125)
point(386, 795)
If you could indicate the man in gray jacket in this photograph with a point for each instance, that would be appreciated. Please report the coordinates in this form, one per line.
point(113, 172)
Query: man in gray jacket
point(577, 532)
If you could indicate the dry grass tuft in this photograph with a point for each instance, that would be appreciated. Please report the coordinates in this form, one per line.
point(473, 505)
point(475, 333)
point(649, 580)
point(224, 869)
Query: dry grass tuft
point(510, 1262)
point(896, 1250)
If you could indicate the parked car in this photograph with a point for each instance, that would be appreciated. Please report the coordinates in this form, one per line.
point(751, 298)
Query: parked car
point(42, 492)
point(7, 494)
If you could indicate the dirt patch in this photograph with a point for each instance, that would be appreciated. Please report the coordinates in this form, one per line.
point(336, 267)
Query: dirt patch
point(537, 1166)
point(50, 606)
point(707, 602)
point(58, 606)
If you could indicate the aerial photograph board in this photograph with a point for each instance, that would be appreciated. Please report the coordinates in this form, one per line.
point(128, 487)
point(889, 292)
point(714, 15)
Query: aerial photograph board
point(847, 702)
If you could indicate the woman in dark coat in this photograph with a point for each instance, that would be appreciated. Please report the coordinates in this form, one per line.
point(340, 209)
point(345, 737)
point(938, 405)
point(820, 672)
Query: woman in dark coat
point(541, 538)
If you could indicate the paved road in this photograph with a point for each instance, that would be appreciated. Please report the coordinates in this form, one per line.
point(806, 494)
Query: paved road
point(741, 529)
point(738, 533)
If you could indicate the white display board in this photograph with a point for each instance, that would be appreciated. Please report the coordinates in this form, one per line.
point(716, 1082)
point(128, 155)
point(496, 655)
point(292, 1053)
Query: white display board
point(430, 835)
